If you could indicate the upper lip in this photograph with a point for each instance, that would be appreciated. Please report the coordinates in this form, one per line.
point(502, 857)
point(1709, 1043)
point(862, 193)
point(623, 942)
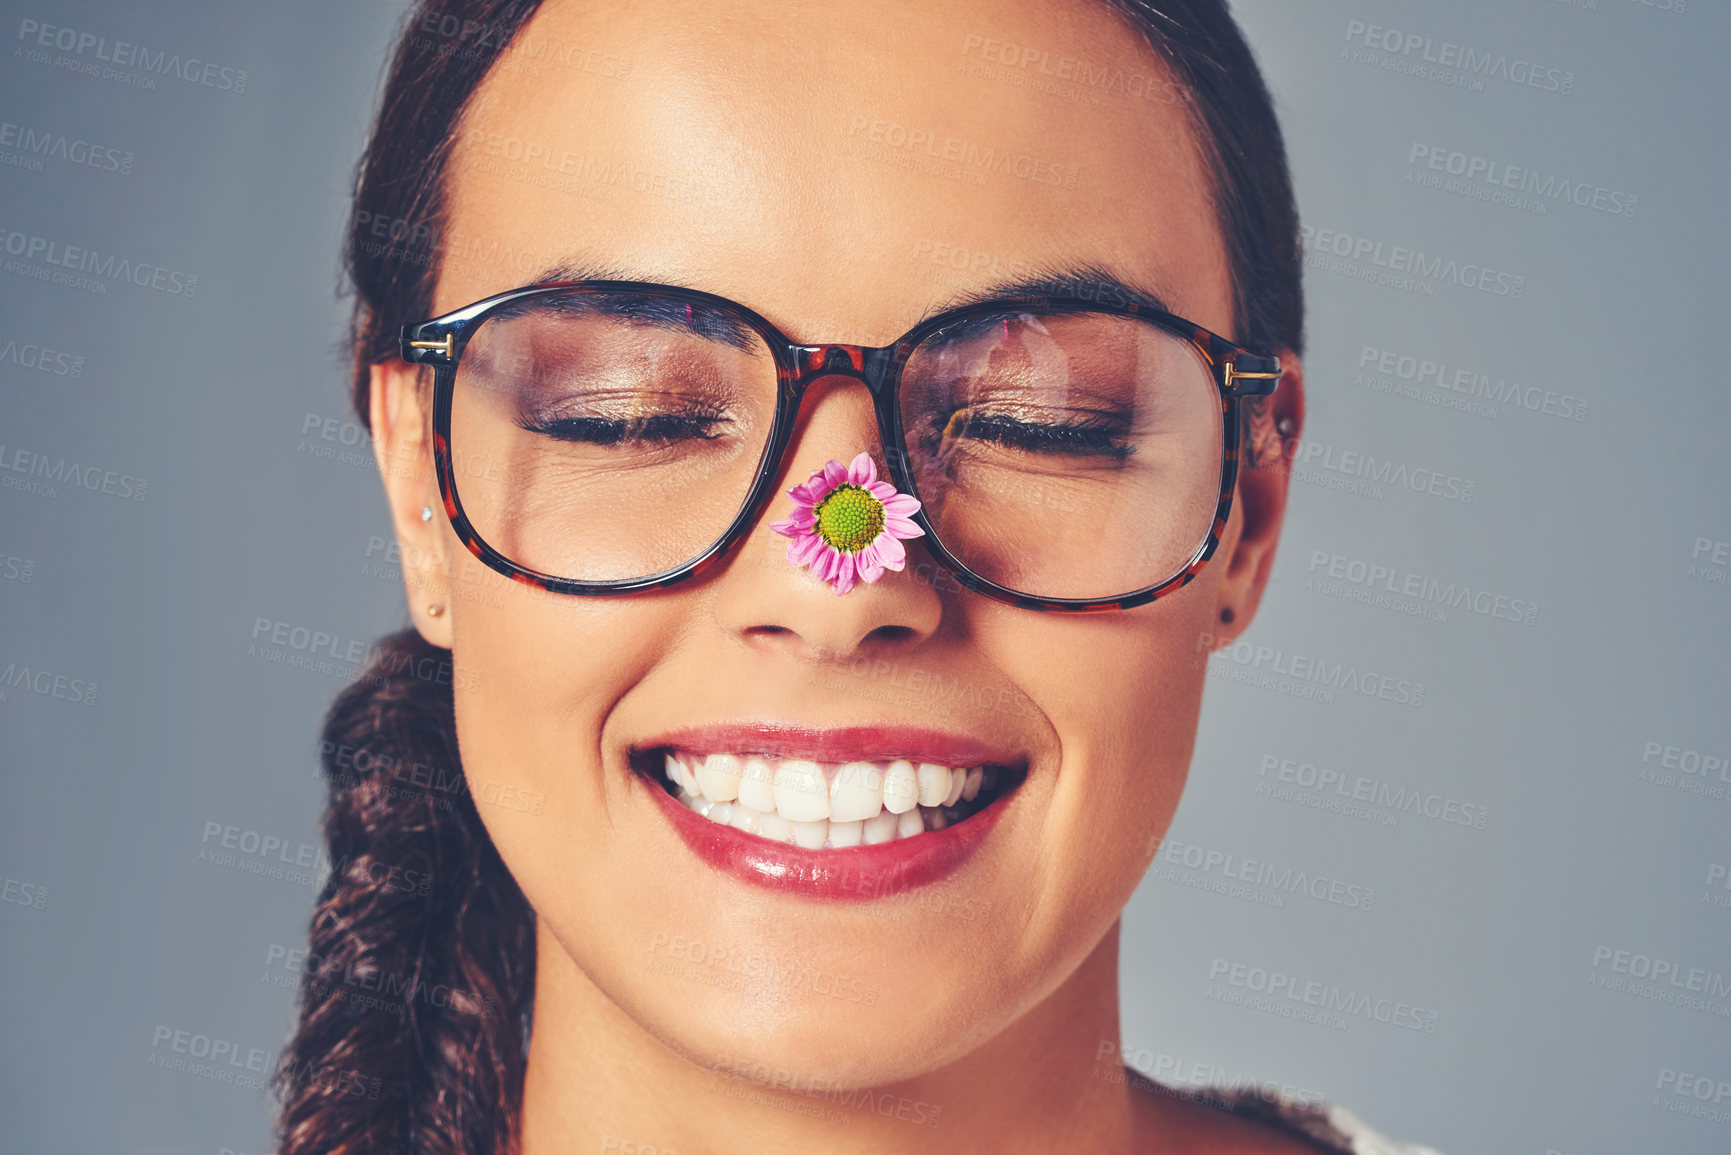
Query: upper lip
point(879, 743)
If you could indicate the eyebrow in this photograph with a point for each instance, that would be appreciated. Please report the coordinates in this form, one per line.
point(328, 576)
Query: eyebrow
point(1084, 282)
point(1087, 282)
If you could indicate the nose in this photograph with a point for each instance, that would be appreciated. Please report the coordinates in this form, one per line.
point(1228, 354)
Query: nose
point(770, 604)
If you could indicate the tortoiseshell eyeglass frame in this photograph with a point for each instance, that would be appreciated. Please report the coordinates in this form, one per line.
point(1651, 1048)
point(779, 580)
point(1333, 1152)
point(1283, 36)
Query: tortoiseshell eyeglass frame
point(439, 343)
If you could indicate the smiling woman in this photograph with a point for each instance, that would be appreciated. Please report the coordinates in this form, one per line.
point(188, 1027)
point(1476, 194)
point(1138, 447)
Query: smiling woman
point(751, 856)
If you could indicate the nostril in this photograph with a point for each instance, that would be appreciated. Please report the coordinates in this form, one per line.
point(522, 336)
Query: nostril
point(892, 635)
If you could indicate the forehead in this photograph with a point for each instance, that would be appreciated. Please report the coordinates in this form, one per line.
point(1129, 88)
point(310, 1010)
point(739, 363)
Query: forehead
point(841, 168)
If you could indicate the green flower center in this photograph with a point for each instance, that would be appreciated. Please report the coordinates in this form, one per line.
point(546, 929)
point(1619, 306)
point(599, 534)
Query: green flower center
point(849, 519)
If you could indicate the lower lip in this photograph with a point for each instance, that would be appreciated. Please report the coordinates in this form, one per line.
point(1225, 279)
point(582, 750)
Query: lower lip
point(856, 874)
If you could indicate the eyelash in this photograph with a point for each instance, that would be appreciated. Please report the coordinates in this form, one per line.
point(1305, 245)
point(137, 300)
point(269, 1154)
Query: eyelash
point(662, 427)
point(1080, 440)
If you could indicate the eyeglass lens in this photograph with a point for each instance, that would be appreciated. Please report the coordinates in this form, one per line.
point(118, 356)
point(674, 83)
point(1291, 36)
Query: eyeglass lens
point(609, 436)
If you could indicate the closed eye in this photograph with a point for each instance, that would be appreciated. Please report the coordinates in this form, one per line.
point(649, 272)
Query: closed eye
point(1076, 439)
point(659, 428)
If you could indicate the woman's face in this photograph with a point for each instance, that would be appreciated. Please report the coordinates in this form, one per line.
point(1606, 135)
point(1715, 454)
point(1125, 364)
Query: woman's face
point(759, 152)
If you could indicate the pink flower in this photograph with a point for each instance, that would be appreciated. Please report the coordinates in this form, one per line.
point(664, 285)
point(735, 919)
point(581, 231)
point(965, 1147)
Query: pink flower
point(846, 524)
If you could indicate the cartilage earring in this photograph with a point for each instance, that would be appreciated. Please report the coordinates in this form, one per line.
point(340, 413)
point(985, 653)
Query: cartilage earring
point(426, 513)
point(435, 609)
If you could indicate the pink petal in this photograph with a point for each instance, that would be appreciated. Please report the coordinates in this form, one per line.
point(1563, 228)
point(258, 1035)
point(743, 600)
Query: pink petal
point(784, 528)
point(812, 550)
point(902, 527)
point(801, 518)
point(843, 579)
point(870, 568)
point(882, 490)
point(889, 551)
point(861, 470)
point(834, 474)
point(901, 505)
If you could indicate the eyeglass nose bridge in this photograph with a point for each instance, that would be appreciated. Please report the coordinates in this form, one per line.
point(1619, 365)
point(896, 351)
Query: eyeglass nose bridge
point(861, 362)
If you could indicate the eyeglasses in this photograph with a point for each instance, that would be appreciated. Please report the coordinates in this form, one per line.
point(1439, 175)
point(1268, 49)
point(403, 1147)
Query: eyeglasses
point(1070, 453)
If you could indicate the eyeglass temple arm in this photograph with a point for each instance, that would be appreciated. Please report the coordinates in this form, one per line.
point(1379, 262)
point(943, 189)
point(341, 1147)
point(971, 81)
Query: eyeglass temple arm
point(1247, 375)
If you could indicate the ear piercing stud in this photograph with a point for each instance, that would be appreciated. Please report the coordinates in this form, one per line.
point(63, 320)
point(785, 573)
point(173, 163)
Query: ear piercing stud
point(435, 609)
point(426, 513)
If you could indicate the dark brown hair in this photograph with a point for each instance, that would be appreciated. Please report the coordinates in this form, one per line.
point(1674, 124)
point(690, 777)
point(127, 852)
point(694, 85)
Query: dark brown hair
point(434, 1074)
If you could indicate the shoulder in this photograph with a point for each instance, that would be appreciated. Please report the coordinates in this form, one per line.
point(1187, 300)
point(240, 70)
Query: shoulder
point(1245, 1123)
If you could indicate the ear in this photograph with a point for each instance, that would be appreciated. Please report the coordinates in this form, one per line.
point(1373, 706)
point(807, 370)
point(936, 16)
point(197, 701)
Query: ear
point(399, 408)
point(1273, 425)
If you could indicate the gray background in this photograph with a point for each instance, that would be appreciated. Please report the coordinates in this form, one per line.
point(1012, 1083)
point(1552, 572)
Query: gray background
point(257, 508)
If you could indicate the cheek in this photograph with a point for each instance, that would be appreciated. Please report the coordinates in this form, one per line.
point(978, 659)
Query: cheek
point(544, 672)
point(1123, 693)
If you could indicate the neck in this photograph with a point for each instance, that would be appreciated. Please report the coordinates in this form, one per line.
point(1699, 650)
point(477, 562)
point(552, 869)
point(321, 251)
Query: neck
point(597, 1081)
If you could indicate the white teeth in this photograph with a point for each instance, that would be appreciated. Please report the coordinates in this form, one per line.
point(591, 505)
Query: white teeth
point(880, 829)
point(801, 794)
point(775, 828)
point(856, 792)
point(934, 784)
point(958, 779)
point(719, 777)
point(811, 835)
point(756, 785)
point(856, 803)
point(676, 772)
point(901, 788)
